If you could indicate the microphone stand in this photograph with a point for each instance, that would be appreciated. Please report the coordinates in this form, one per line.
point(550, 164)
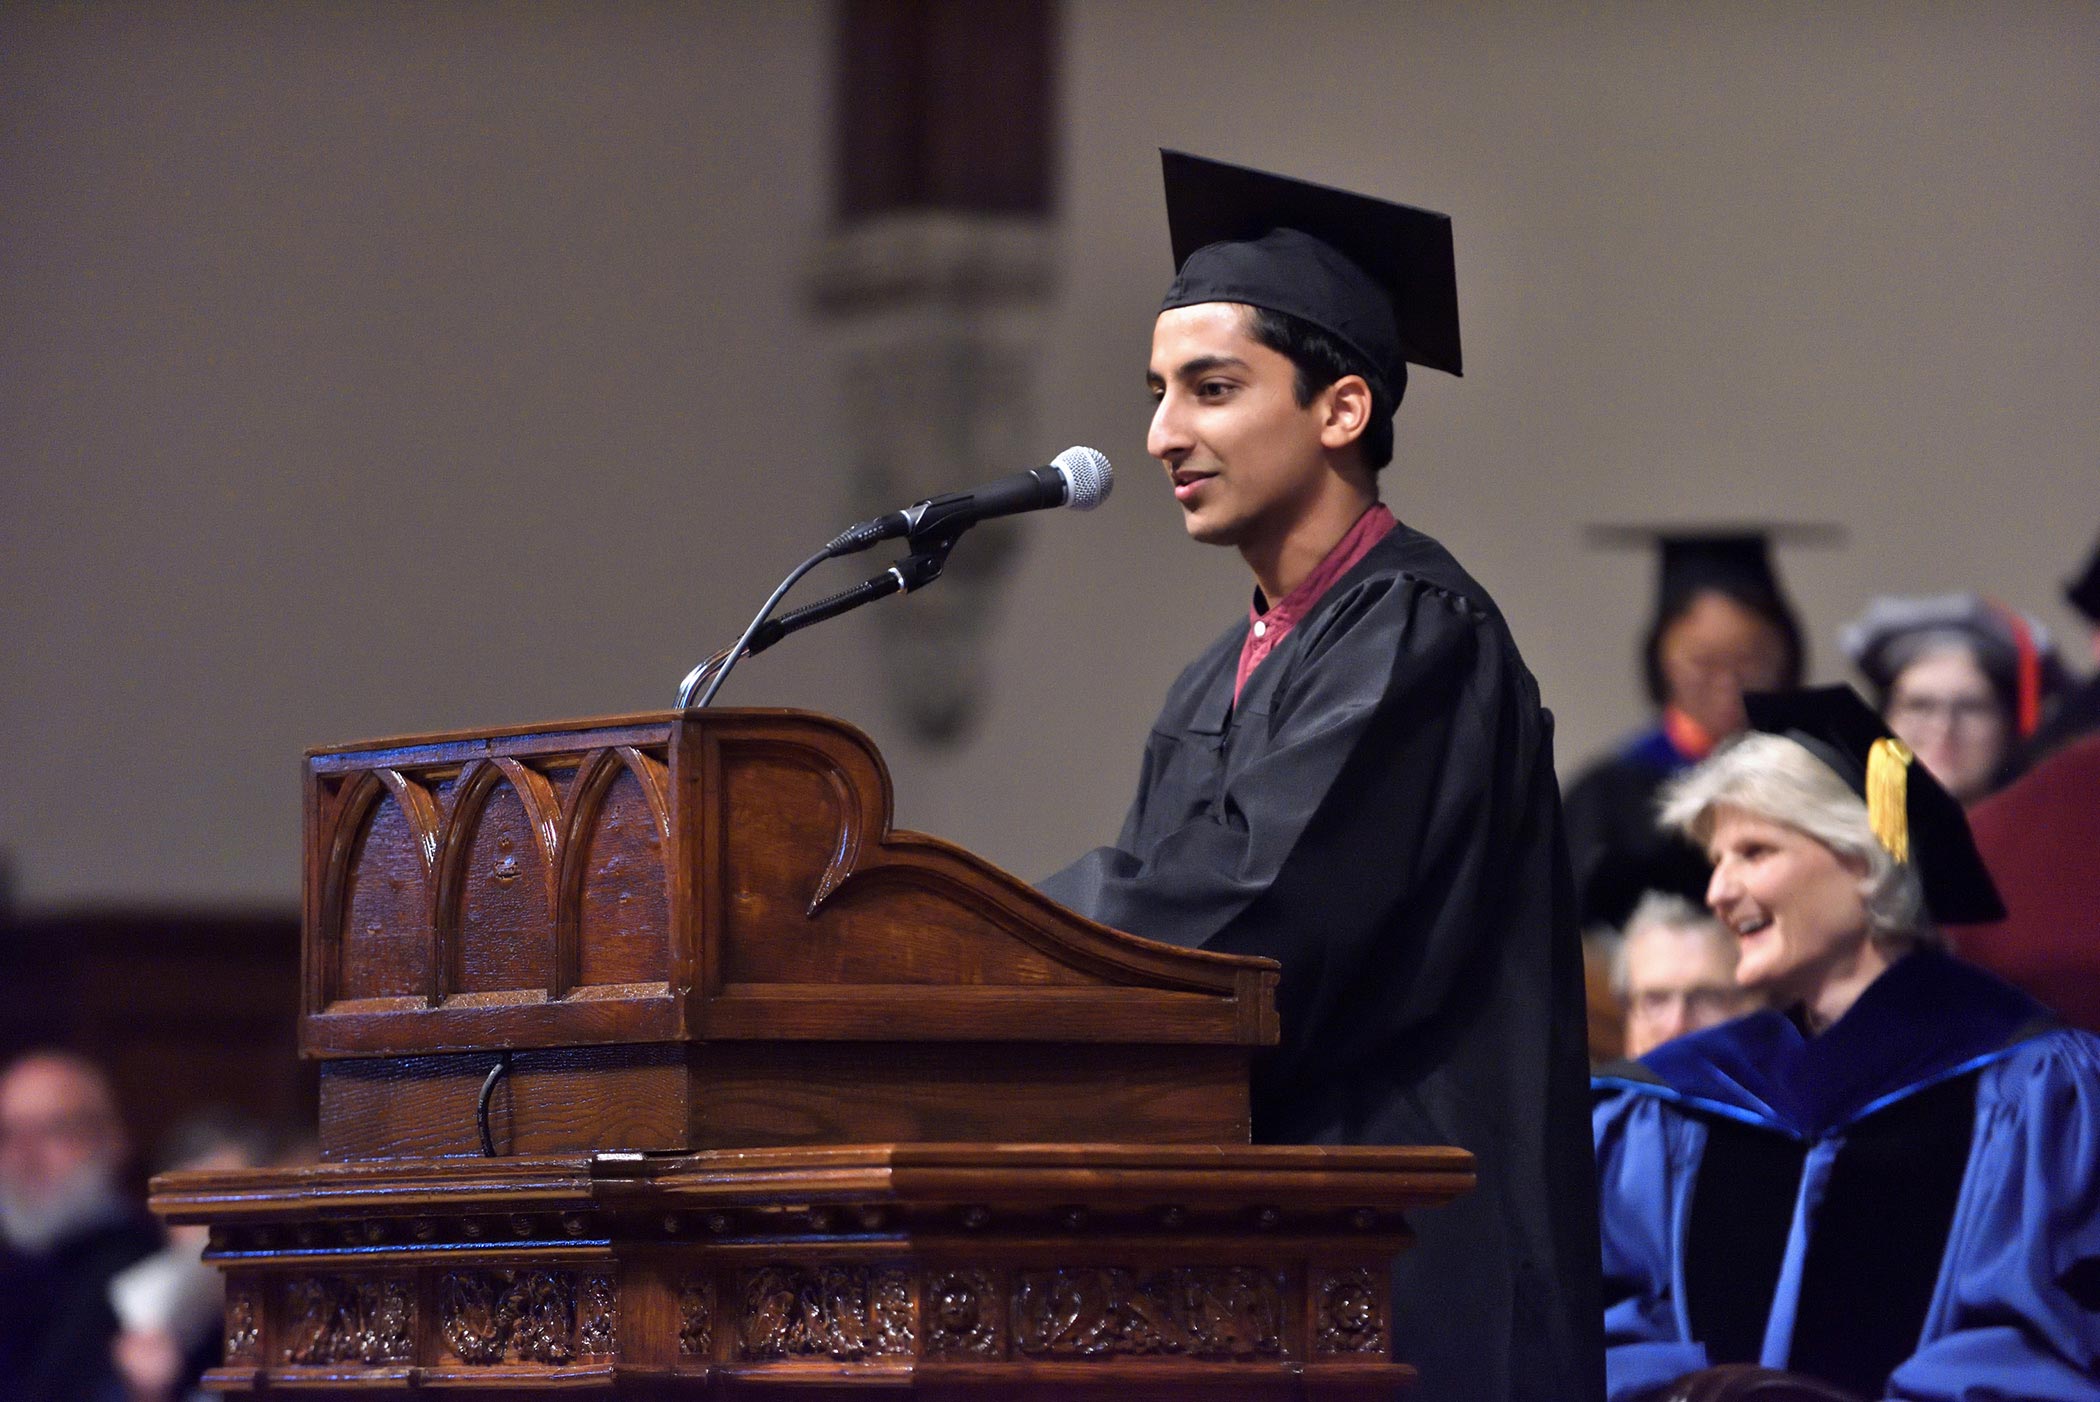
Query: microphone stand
point(920, 568)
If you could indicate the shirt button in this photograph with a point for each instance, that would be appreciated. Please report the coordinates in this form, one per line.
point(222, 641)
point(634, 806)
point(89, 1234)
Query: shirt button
point(1261, 629)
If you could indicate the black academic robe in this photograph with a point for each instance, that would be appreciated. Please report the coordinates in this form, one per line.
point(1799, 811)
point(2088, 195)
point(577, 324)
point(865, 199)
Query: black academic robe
point(56, 1323)
point(1379, 814)
point(1618, 849)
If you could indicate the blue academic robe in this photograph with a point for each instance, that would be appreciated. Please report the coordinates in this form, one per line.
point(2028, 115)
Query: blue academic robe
point(1907, 1205)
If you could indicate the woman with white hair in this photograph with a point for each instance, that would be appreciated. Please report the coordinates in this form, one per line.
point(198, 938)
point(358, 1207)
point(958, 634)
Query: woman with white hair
point(1889, 1181)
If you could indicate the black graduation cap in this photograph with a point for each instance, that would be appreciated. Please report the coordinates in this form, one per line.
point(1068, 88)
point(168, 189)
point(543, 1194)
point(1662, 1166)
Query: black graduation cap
point(1735, 559)
point(1916, 820)
point(1378, 275)
point(2084, 590)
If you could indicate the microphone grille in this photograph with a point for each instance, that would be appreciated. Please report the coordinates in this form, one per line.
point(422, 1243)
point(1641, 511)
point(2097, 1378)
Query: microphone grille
point(1087, 475)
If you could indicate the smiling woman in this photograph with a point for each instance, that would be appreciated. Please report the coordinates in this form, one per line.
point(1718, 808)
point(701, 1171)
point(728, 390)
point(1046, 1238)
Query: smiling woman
point(1885, 1182)
point(1820, 906)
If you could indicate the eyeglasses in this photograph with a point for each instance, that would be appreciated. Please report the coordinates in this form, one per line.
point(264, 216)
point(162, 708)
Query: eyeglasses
point(1955, 712)
point(1704, 1001)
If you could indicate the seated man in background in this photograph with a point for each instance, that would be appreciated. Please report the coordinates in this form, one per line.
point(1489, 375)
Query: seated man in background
point(1674, 972)
point(66, 1227)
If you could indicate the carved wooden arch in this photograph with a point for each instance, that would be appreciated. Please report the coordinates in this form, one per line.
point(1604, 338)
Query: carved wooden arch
point(477, 784)
point(868, 850)
point(419, 807)
point(848, 798)
point(594, 779)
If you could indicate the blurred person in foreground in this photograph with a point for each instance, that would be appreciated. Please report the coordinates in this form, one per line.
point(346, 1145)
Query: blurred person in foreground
point(1355, 778)
point(66, 1228)
point(1961, 679)
point(1888, 1181)
point(1722, 626)
point(170, 1305)
point(1674, 973)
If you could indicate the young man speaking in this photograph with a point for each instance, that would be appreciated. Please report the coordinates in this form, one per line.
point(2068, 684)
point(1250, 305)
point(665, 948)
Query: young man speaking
point(1357, 778)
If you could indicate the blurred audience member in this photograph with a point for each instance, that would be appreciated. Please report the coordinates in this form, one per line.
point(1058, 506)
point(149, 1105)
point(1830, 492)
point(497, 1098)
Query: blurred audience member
point(1722, 626)
point(1675, 973)
point(2078, 714)
point(171, 1305)
point(1960, 679)
point(2041, 839)
point(66, 1228)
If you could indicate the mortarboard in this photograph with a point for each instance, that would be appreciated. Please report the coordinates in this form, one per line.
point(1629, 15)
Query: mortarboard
point(1734, 559)
point(2083, 591)
point(1377, 275)
point(1919, 823)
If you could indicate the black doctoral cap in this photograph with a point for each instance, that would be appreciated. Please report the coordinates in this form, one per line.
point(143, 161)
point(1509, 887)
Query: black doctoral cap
point(1376, 275)
point(1733, 560)
point(1917, 821)
point(2084, 590)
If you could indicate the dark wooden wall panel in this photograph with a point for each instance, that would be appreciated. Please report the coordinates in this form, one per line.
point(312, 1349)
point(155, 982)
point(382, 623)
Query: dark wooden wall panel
point(184, 1009)
point(945, 104)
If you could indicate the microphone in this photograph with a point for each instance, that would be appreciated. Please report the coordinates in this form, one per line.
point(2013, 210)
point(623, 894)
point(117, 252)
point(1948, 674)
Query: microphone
point(1078, 477)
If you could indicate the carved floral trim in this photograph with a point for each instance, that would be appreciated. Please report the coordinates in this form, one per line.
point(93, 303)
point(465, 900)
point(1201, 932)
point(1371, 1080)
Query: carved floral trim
point(844, 1312)
point(696, 1317)
point(598, 1316)
point(1107, 1312)
point(964, 1309)
point(243, 1327)
point(523, 1316)
point(340, 1319)
point(1348, 1316)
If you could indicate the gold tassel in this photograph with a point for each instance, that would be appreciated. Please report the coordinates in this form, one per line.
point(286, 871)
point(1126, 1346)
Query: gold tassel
point(1888, 796)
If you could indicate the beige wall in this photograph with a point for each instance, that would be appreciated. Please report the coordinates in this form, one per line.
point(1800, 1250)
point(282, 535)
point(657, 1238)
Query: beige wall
point(398, 367)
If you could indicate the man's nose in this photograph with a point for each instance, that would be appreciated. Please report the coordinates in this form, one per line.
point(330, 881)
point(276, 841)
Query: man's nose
point(1676, 1017)
point(1168, 438)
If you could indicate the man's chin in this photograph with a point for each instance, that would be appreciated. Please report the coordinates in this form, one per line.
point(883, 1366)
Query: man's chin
point(35, 1226)
point(1205, 531)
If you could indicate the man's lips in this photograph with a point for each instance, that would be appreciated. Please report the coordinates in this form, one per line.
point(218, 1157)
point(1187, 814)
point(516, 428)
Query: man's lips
point(1187, 484)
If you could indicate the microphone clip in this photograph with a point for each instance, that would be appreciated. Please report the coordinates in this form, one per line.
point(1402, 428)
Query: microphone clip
point(929, 556)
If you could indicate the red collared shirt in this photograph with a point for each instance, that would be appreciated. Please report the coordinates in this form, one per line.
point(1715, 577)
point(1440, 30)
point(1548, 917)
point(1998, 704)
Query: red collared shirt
point(1268, 627)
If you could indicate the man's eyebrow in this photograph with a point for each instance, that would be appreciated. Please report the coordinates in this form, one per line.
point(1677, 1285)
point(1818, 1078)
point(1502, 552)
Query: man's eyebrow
point(1200, 366)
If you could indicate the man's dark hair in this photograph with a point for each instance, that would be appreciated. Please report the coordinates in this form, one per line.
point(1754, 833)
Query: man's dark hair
point(1320, 359)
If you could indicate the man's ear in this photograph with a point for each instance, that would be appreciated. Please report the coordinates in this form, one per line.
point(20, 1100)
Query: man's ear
point(1346, 412)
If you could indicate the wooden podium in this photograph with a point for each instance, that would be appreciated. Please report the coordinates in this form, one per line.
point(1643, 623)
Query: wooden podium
point(653, 1062)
